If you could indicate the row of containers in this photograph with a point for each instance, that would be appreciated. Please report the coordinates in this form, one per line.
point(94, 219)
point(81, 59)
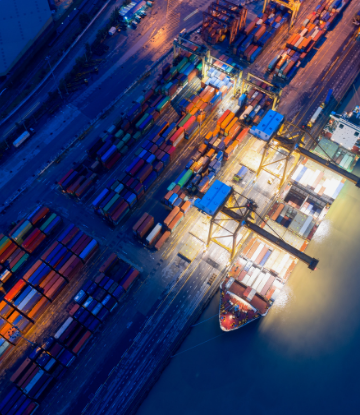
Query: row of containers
point(37, 374)
point(255, 104)
point(107, 150)
point(259, 32)
point(298, 45)
point(33, 292)
point(24, 239)
point(253, 283)
point(197, 176)
point(157, 151)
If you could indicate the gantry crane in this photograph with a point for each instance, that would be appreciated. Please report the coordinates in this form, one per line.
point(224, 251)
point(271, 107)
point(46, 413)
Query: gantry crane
point(244, 215)
point(290, 138)
point(274, 93)
point(292, 5)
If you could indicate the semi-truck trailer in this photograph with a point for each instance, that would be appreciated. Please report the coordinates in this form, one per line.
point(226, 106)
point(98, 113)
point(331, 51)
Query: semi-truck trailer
point(23, 137)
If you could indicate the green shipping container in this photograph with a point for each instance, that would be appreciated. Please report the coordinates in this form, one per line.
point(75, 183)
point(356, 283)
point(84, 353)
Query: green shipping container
point(192, 58)
point(111, 202)
point(199, 66)
point(24, 228)
point(181, 64)
point(115, 185)
point(185, 120)
point(142, 119)
point(120, 145)
point(124, 150)
point(20, 263)
point(137, 135)
point(138, 151)
point(119, 134)
point(186, 177)
point(185, 67)
point(162, 104)
point(173, 71)
point(48, 221)
point(3, 241)
point(126, 138)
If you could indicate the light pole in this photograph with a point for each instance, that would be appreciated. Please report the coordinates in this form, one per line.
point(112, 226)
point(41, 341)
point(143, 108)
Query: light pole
point(52, 73)
point(200, 120)
point(48, 61)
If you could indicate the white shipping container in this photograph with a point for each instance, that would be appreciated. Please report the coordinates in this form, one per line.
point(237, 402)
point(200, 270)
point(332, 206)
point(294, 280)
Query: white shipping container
point(263, 282)
point(253, 276)
point(297, 172)
point(257, 252)
point(258, 281)
point(153, 234)
point(65, 325)
point(282, 263)
point(246, 279)
point(305, 225)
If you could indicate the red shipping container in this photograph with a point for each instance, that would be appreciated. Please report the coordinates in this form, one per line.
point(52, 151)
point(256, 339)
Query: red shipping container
point(113, 160)
point(223, 117)
point(39, 215)
point(70, 236)
point(49, 250)
point(171, 151)
point(34, 244)
point(137, 167)
point(61, 181)
point(130, 279)
point(8, 252)
point(139, 222)
point(15, 290)
point(82, 342)
point(144, 172)
point(35, 233)
point(82, 246)
point(120, 211)
point(145, 226)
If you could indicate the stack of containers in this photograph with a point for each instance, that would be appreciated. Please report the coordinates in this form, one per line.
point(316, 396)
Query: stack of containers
point(143, 225)
point(157, 151)
point(16, 400)
point(27, 300)
point(44, 365)
point(258, 33)
point(255, 103)
point(300, 44)
point(77, 181)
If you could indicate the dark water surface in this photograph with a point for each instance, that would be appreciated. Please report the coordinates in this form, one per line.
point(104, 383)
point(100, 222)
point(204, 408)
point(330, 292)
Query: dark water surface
point(302, 358)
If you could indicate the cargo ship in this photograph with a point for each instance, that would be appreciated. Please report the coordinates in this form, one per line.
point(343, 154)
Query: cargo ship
point(253, 283)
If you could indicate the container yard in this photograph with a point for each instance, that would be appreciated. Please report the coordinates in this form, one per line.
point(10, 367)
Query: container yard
point(146, 207)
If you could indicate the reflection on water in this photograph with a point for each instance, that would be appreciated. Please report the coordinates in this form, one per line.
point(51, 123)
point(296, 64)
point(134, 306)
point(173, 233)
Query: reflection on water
point(302, 358)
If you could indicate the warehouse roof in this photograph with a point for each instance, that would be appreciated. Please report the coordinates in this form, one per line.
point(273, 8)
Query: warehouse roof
point(21, 22)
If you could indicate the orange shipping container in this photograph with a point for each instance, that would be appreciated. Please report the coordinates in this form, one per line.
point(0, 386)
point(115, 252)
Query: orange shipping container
point(223, 117)
point(227, 120)
point(232, 122)
point(234, 130)
point(171, 216)
point(162, 240)
point(189, 107)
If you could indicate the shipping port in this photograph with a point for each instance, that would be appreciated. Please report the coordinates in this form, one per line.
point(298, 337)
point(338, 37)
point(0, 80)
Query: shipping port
point(216, 176)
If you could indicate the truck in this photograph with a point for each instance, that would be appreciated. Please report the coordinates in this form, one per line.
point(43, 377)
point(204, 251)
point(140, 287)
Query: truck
point(240, 174)
point(320, 109)
point(23, 137)
point(112, 31)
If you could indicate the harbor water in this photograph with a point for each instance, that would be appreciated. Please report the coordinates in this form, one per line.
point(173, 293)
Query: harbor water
point(302, 358)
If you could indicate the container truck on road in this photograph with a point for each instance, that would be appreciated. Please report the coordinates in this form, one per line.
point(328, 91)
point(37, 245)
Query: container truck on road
point(23, 137)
